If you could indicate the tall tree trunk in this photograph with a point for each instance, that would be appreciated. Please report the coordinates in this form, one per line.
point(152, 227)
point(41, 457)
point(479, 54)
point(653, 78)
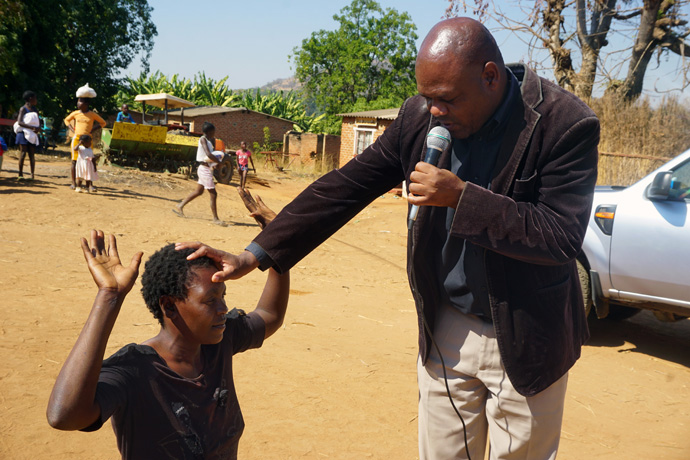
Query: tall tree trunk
point(662, 27)
point(588, 72)
point(562, 62)
point(592, 40)
point(645, 44)
point(659, 26)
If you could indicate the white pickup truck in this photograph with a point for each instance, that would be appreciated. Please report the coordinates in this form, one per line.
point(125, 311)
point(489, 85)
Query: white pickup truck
point(636, 253)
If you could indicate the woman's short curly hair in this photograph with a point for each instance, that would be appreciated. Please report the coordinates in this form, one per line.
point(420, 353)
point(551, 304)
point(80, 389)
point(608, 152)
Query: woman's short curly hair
point(168, 272)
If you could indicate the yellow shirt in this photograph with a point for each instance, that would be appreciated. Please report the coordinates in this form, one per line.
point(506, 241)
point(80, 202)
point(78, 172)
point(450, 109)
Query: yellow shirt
point(83, 121)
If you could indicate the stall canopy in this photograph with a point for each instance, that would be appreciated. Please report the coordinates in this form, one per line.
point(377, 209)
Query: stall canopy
point(164, 101)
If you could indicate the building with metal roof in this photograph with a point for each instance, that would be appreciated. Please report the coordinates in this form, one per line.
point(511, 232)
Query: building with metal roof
point(361, 129)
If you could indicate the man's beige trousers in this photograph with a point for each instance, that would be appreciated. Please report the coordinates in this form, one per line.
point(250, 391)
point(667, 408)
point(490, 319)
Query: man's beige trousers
point(518, 427)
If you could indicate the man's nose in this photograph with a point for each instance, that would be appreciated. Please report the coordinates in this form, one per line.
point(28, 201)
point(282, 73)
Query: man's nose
point(437, 108)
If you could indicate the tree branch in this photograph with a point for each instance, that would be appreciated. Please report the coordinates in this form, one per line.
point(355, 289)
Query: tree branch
point(670, 22)
point(581, 9)
point(677, 45)
point(666, 5)
point(603, 27)
point(625, 17)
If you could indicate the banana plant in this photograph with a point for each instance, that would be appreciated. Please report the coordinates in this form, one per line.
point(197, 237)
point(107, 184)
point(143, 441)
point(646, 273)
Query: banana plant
point(202, 90)
point(181, 87)
point(153, 83)
point(210, 92)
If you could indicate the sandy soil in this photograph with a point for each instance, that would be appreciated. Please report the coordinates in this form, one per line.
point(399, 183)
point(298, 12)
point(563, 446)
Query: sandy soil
point(339, 380)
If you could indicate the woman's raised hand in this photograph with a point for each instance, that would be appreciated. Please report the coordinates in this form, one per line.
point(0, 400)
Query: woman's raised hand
point(105, 266)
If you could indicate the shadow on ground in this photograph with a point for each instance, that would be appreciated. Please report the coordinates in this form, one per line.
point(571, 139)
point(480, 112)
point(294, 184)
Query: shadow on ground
point(241, 224)
point(643, 333)
point(10, 186)
point(120, 193)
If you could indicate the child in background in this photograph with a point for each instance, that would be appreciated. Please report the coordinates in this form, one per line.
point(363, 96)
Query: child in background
point(206, 159)
point(172, 396)
point(85, 169)
point(81, 122)
point(244, 156)
point(123, 115)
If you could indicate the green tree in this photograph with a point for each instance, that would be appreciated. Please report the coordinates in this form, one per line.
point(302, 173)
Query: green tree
point(12, 24)
point(55, 46)
point(370, 56)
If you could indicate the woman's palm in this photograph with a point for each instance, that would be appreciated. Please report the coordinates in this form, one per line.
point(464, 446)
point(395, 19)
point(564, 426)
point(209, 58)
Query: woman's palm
point(105, 266)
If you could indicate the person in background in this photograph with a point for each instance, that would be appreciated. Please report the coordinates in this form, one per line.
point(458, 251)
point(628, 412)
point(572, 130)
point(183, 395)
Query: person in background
point(206, 160)
point(244, 156)
point(124, 115)
point(3, 149)
point(27, 135)
point(86, 169)
point(81, 122)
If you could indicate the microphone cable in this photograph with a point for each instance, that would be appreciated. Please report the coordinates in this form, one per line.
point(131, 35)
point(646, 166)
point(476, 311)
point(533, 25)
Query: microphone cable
point(438, 139)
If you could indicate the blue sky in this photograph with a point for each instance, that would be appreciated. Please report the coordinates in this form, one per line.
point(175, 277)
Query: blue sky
point(250, 41)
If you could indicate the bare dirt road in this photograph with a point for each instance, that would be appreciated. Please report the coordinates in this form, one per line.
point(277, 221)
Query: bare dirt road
point(338, 381)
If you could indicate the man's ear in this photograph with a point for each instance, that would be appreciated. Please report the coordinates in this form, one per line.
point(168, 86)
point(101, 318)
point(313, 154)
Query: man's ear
point(491, 75)
point(168, 307)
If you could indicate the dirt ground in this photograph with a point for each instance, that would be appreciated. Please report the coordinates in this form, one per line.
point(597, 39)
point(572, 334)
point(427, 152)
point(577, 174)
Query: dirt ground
point(338, 381)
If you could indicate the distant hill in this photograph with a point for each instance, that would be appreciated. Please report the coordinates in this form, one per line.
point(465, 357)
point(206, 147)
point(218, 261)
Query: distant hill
point(280, 84)
point(288, 84)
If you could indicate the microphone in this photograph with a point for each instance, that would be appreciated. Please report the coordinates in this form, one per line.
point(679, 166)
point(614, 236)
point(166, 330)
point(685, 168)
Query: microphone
point(437, 141)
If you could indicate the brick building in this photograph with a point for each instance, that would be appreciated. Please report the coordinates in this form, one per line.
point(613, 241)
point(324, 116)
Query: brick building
point(321, 151)
point(361, 129)
point(234, 124)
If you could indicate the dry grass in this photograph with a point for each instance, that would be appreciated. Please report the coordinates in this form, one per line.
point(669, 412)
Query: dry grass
point(637, 138)
point(625, 170)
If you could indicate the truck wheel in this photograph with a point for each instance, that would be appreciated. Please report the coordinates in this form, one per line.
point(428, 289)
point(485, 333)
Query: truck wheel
point(223, 172)
point(586, 287)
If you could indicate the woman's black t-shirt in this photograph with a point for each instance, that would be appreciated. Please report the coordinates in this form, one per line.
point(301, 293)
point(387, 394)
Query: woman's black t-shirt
point(156, 413)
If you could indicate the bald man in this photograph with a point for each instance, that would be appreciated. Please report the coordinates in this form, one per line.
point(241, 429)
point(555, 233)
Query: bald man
point(491, 255)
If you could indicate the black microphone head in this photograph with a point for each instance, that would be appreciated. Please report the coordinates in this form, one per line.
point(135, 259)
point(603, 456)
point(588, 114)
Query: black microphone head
point(438, 138)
